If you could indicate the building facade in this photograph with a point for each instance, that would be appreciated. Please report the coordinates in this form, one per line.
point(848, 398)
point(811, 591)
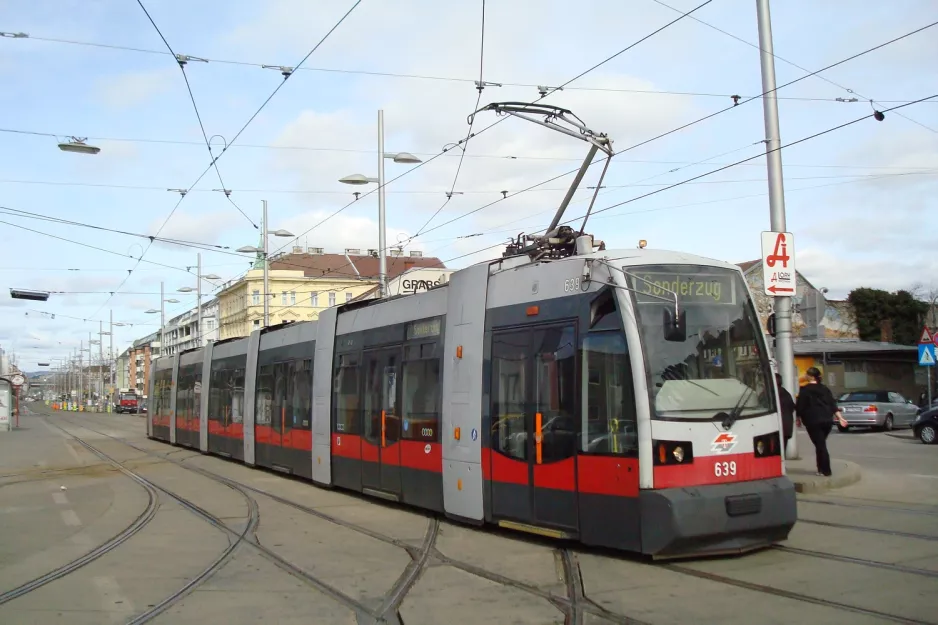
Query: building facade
point(139, 362)
point(181, 332)
point(302, 284)
point(122, 379)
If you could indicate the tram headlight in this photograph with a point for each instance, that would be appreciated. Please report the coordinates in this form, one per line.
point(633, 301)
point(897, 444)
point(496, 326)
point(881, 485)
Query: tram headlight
point(767, 445)
point(678, 454)
point(673, 452)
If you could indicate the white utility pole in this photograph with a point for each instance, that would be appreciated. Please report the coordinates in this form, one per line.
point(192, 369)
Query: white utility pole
point(266, 268)
point(784, 348)
point(382, 252)
point(198, 302)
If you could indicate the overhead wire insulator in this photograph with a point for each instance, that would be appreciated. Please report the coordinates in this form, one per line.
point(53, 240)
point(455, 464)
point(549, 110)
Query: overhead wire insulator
point(182, 59)
point(543, 90)
point(482, 84)
point(285, 71)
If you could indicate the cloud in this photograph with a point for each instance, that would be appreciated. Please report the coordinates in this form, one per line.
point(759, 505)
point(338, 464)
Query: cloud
point(133, 89)
point(206, 227)
point(825, 268)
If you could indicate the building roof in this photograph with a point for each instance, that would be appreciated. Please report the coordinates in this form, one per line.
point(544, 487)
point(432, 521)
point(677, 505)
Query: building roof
point(749, 264)
point(848, 346)
point(337, 267)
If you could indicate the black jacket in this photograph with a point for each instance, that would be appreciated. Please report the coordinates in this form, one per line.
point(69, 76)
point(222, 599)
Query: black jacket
point(788, 411)
point(816, 404)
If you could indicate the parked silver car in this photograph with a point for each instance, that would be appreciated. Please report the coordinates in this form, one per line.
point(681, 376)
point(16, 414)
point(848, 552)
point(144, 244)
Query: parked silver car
point(884, 410)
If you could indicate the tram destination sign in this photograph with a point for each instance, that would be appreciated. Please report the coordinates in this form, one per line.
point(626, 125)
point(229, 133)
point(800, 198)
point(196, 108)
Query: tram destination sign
point(691, 288)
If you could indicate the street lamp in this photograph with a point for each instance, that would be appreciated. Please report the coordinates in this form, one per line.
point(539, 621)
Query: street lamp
point(359, 179)
point(248, 249)
point(198, 289)
point(78, 146)
point(162, 312)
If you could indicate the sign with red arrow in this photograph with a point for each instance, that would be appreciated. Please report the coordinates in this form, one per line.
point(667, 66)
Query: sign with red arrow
point(778, 264)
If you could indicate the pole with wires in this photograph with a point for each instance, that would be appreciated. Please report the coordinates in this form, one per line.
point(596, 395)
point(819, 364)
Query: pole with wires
point(784, 348)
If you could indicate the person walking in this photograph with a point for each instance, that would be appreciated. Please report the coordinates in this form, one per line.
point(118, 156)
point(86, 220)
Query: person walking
point(816, 409)
point(787, 408)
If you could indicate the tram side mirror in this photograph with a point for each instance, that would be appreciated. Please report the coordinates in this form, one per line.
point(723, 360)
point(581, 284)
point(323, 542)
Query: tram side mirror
point(770, 323)
point(675, 329)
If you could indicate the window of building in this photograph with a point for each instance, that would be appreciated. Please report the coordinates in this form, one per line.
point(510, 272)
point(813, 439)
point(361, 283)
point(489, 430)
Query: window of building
point(257, 323)
point(283, 298)
point(292, 298)
point(315, 299)
point(256, 297)
point(332, 299)
point(348, 298)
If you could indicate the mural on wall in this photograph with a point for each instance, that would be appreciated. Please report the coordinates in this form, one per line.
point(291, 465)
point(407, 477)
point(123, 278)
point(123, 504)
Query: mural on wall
point(837, 322)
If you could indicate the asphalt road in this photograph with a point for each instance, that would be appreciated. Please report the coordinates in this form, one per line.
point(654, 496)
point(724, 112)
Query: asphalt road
point(178, 537)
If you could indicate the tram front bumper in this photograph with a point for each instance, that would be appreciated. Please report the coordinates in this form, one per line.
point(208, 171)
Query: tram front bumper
point(717, 519)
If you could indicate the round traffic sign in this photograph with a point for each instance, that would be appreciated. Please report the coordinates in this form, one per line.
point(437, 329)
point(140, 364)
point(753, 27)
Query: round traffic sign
point(17, 379)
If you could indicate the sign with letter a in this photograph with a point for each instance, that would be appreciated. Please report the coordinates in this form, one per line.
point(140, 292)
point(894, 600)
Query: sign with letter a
point(778, 264)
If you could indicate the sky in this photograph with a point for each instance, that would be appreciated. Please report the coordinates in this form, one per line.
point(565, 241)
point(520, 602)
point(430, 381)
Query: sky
point(860, 200)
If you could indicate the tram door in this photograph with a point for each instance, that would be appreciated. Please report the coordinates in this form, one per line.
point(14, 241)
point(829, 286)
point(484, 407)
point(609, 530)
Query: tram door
point(381, 450)
point(534, 425)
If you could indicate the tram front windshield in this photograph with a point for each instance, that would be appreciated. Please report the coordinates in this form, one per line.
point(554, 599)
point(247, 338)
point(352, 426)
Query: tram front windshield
point(720, 368)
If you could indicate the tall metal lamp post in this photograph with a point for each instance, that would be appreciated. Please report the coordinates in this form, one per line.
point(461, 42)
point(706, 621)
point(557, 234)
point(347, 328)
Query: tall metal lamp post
point(263, 250)
point(198, 289)
point(359, 179)
point(162, 312)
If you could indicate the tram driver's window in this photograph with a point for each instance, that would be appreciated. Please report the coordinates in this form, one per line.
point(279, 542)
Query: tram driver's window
point(609, 422)
point(421, 394)
point(345, 386)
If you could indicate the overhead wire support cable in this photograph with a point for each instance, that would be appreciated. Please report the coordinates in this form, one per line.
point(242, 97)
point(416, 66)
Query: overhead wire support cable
point(493, 124)
point(182, 196)
point(702, 119)
point(181, 61)
point(797, 66)
point(463, 145)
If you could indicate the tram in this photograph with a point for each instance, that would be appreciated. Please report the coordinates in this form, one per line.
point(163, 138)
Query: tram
point(619, 398)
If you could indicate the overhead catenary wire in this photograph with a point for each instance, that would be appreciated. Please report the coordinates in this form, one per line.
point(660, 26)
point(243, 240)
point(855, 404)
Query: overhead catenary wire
point(21, 36)
point(795, 65)
point(182, 196)
point(464, 144)
point(700, 120)
point(362, 151)
point(493, 124)
point(208, 144)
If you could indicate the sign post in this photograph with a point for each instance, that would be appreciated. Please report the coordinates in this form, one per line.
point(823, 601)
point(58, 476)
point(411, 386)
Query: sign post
point(779, 282)
point(926, 356)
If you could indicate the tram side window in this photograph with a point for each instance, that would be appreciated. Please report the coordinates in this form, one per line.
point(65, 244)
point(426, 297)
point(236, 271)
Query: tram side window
point(236, 381)
point(347, 404)
point(609, 421)
point(421, 394)
point(265, 384)
point(303, 394)
point(216, 396)
point(196, 411)
point(555, 391)
point(282, 417)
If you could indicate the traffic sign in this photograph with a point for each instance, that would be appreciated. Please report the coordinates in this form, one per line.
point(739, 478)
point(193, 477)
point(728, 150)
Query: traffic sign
point(926, 355)
point(926, 336)
point(778, 264)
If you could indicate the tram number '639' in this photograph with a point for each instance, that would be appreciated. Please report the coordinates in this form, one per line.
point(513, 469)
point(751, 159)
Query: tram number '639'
point(724, 469)
point(571, 284)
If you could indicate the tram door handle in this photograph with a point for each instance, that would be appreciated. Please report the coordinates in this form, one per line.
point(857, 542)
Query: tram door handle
point(538, 437)
point(384, 442)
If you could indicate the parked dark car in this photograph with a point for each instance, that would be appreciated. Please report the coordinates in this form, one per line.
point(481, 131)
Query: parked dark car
point(926, 426)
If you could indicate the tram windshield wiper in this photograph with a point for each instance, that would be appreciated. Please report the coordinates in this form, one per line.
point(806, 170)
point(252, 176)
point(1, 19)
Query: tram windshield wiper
point(733, 416)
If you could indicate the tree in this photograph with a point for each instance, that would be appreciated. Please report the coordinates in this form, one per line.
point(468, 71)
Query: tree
point(901, 310)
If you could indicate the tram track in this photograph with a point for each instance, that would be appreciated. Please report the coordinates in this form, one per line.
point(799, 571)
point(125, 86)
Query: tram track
point(779, 592)
point(387, 611)
point(862, 506)
point(250, 526)
point(574, 605)
point(872, 530)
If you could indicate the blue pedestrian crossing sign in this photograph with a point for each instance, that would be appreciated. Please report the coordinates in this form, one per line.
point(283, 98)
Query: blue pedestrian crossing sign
point(926, 355)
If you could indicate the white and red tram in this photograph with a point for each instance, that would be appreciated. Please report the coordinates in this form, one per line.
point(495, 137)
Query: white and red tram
point(558, 397)
point(623, 399)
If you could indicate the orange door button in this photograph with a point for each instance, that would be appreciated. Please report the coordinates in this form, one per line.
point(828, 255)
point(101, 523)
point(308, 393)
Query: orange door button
point(456, 433)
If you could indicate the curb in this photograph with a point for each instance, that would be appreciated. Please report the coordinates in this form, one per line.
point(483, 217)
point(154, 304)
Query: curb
point(905, 434)
point(844, 474)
